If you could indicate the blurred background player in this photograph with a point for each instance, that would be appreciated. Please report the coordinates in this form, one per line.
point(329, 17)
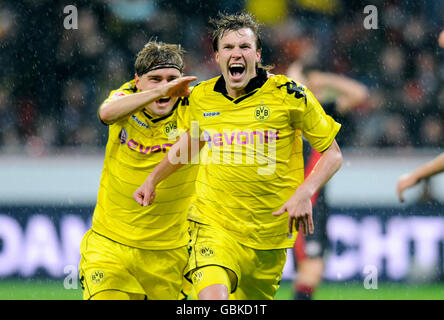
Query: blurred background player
point(134, 252)
point(338, 95)
point(426, 170)
point(441, 39)
point(243, 221)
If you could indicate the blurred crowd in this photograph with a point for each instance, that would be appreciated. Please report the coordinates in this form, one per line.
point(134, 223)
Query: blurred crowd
point(53, 79)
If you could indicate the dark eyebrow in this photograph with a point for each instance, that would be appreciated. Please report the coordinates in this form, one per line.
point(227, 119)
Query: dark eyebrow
point(154, 77)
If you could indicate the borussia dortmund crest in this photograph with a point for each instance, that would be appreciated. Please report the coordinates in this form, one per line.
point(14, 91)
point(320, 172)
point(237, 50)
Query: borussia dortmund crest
point(262, 113)
point(170, 128)
point(97, 276)
point(206, 252)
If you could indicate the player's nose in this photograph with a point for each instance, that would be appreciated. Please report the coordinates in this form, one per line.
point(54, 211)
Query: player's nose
point(237, 52)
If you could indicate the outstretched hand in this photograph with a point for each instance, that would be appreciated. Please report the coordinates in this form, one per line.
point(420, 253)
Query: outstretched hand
point(404, 182)
point(145, 194)
point(300, 213)
point(179, 87)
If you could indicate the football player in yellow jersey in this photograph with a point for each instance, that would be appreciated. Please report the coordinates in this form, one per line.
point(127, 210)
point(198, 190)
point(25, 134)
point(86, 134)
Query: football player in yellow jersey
point(251, 197)
point(134, 252)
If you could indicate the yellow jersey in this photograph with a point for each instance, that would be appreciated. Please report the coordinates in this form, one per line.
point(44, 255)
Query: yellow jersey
point(135, 146)
point(252, 160)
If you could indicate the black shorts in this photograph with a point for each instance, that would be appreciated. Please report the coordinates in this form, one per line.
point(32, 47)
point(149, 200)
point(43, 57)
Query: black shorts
point(314, 245)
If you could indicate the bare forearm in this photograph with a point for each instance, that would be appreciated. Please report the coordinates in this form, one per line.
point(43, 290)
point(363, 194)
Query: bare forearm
point(327, 166)
point(430, 168)
point(351, 92)
point(120, 108)
point(179, 155)
point(163, 170)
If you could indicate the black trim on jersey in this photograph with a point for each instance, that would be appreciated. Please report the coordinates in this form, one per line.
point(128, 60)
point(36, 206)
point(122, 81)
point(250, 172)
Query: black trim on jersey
point(133, 89)
point(245, 96)
point(251, 88)
point(292, 88)
point(165, 116)
point(185, 101)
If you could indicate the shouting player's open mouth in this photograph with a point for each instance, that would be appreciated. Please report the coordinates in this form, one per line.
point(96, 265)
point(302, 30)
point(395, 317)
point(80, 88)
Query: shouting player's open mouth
point(236, 71)
point(163, 102)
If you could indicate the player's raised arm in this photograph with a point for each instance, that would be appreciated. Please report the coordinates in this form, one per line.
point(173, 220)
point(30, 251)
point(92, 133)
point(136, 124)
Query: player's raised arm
point(124, 106)
point(351, 92)
point(299, 205)
point(146, 193)
point(426, 170)
point(441, 39)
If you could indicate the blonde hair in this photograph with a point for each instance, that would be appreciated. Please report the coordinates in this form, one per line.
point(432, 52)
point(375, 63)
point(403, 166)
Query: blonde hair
point(156, 55)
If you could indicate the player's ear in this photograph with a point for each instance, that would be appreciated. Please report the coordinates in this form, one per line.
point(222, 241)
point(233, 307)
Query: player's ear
point(137, 80)
point(216, 56)
point(258, 56)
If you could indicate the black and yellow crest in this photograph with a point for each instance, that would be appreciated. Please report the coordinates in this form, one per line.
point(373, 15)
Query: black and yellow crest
point(206, 252)
point(170, 128)
point(262, 113)
point(97, 276)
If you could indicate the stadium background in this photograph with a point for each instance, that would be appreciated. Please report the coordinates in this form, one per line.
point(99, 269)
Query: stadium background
point(52, 80)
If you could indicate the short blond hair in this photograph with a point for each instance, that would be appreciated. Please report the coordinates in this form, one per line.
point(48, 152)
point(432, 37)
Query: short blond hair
point(159, 54)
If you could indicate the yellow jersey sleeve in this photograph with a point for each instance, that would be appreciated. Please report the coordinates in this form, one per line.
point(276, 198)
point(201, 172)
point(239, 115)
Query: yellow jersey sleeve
point(126, 89)
point(307, 114)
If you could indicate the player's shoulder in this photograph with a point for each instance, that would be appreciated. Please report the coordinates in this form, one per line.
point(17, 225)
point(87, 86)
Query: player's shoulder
point(205, 86)
point(288, 86)
point(281, 81)
point(128, 87)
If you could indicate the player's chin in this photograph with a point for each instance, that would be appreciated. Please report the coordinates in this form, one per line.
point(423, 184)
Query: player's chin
point(237, 85)
point(163, 108)
point(161, 111)
point(237, 81)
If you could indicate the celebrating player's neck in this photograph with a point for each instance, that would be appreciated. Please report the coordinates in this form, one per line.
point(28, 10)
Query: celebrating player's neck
point(237, 92)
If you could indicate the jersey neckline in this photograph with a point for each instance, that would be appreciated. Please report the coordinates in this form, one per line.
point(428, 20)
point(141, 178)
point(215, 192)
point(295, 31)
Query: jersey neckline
point(252, 87)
